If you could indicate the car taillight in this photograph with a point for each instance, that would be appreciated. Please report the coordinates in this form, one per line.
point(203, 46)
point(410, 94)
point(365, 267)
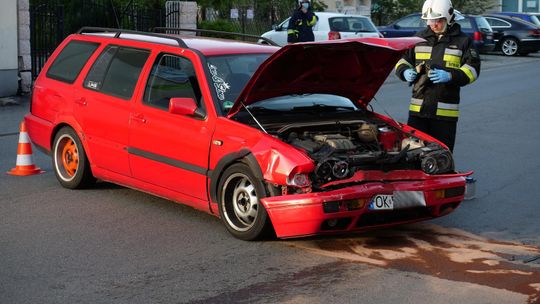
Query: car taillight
point(478, 36)
point(334, 35)
point(534, 32)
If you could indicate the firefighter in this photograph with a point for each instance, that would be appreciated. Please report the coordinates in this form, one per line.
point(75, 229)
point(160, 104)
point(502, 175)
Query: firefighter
point(438, 68)
point(301, 24)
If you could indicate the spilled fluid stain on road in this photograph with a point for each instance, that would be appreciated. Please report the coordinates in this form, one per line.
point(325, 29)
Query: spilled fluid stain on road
point(445, 253)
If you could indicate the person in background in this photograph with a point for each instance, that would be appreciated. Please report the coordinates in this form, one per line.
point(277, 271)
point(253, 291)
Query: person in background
point(301, 24)
point(438, 68)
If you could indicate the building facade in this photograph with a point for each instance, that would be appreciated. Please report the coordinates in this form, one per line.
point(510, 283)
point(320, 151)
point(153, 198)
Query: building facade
point(360, 7)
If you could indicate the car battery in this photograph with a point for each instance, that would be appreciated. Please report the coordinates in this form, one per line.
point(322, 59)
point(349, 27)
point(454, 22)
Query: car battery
point(388, 139)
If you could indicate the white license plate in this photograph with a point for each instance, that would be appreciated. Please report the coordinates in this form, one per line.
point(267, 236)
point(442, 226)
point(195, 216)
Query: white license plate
point(382, 202)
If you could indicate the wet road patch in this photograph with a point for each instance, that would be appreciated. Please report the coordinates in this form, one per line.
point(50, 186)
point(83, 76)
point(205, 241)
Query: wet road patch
point(445, 253)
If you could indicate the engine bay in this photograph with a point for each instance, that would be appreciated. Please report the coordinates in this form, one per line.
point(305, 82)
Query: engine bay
point(340, 148)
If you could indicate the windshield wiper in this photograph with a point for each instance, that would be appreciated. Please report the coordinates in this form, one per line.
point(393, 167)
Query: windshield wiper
point(259, 109)
point(322, 107)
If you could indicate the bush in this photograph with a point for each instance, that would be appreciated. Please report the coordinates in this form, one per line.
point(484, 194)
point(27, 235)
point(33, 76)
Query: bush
point(218, 25)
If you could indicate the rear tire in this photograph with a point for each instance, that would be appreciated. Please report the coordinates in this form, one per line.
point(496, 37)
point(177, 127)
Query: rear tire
point(510, 46)
point(70, 164)
point(240, 209)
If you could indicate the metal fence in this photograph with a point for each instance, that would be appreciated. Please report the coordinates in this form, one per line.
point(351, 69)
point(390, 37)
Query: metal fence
point(52, 20)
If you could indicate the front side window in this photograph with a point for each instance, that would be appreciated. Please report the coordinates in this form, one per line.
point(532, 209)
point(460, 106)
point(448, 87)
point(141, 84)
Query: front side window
point(230, 75)
point(116, 71)
point(465, 23)
point(171, 76)
point(69, 63)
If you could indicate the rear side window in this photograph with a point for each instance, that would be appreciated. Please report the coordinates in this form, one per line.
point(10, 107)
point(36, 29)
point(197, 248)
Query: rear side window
point(69, 63)
point(465, 23)
point(351, 24)
point(171, 76)
point(116, 71)
point(483, 25)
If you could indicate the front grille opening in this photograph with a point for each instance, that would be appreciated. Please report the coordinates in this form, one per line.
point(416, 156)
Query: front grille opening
point(336, 224)
point(394, 216)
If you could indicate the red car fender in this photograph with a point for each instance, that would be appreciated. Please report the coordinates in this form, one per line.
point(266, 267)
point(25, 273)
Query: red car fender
point(280, 161)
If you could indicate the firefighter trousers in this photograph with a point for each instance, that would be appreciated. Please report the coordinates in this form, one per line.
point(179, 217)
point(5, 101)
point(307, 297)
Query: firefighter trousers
point(442, 130)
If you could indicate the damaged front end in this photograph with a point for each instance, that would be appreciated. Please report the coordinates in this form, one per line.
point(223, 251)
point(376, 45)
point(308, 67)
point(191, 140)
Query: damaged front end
point(341, 148)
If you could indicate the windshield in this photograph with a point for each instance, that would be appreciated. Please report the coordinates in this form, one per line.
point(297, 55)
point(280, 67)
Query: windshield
point(351, 24)
point(230, 74)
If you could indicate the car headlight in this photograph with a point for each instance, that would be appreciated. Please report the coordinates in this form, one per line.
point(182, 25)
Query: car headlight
point(437, 162)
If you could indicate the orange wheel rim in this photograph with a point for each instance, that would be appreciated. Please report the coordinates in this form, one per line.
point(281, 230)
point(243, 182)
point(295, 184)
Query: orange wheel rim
point(70, 157)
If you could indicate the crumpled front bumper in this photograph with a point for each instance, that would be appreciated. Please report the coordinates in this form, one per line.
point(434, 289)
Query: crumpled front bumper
point(347, 209)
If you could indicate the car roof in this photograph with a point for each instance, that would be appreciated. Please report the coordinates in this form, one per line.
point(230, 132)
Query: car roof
point(216, 46)
point(207, 46)
point(512, 20)
point(333, 14)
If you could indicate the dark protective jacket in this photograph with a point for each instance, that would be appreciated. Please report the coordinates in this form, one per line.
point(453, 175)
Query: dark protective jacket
point(453, 52)
point(300, 27)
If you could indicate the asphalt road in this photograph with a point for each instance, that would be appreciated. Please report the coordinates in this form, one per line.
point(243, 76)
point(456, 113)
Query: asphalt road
point(115, 245)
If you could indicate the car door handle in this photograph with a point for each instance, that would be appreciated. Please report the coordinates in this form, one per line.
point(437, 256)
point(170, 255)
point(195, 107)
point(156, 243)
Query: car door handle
point(81, 101)
point(138, 117)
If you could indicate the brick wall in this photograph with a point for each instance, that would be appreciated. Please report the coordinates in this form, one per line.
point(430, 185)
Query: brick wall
point(25, 66)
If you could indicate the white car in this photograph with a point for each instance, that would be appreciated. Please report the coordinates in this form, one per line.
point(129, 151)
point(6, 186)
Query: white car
point(330, 26)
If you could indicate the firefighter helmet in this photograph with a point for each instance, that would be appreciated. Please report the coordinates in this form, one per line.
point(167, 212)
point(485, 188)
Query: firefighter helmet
point(436, 9)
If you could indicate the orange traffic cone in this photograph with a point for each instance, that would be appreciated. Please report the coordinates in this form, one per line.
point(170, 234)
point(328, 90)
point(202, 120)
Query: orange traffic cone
point(25, 162)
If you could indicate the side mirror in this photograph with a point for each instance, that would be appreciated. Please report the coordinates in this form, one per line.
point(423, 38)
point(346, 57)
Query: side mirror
point(397, 27)
point(184, 106)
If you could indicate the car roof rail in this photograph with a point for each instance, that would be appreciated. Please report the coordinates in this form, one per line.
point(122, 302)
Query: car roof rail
point(133, 35)
point(177, 30)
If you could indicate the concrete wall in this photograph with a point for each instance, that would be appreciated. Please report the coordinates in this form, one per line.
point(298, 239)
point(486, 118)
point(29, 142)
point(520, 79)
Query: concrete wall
point(181, 14)
point(25, 63)
point(9, 67)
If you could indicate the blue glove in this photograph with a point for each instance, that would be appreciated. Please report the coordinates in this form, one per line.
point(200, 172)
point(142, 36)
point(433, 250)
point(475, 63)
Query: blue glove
point(439, 76)
point(410, 75)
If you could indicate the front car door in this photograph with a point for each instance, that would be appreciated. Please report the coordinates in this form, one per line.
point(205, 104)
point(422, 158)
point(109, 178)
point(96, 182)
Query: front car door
point(165, 149)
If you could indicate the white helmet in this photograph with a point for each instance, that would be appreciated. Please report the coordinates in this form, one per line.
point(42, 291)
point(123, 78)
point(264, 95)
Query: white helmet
point(436, 9)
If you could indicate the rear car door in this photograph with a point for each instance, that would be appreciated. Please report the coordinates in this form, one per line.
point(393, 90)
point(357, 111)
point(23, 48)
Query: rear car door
point(171, 150)
point(106, 101)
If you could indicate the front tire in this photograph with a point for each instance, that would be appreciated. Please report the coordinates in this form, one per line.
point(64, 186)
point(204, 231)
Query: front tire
point(70, 164)
point(240, 208)
point(510, 47)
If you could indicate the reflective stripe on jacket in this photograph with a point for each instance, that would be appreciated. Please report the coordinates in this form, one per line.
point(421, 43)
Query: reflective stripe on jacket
point(454, 53)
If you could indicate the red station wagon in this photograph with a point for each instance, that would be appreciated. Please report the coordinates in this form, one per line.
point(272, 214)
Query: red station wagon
point(266, 138)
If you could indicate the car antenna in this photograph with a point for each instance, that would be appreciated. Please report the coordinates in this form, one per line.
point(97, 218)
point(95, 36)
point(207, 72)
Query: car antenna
point(252, 116)
point(386, 112)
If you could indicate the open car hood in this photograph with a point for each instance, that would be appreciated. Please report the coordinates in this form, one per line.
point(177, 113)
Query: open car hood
point(354, 68)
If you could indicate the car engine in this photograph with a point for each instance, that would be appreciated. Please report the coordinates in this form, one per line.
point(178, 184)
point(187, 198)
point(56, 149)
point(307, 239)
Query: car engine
point(341, 148)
